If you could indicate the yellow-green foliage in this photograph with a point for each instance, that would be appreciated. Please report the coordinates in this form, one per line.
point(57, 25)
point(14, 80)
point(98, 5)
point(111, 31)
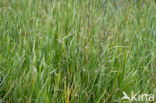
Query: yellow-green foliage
point(76, 51)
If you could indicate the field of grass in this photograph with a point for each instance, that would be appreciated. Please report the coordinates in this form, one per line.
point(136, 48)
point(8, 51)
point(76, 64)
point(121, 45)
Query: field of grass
point(76, 51)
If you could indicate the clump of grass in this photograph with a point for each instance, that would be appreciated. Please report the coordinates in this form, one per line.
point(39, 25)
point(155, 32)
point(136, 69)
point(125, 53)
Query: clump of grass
point(76, 51)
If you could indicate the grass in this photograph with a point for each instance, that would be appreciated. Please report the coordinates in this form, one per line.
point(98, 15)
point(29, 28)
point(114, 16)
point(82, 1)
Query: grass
point(76, 51)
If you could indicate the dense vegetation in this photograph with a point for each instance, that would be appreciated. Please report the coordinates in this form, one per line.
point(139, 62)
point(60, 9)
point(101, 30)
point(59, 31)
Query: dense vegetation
point(76, 51)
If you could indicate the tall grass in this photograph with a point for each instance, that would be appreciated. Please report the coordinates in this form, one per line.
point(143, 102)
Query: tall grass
point(76, 51)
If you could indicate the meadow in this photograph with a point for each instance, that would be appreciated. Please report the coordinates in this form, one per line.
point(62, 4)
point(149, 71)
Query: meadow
point(76, 51)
